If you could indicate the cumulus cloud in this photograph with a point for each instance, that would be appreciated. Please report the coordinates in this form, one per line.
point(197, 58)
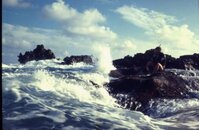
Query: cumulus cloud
point(180, 39)
point(88, 23)
point(18, 39)
point(16, 3)
point(59, 11)
point(129, 44)
point(81, 30)
point(19, 36)
point(124, 47)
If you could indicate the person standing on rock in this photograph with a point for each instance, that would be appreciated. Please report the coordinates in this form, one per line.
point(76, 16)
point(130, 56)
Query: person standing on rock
point(157, 62)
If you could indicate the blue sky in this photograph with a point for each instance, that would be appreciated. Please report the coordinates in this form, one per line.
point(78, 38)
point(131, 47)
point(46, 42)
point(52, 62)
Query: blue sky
point(75, 27)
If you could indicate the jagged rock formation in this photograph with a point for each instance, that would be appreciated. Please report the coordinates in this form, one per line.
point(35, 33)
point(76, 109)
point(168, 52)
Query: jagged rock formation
point(139, 86)
point(75, 59)
point(136, 64)
point(39, 53)
point(183, 61)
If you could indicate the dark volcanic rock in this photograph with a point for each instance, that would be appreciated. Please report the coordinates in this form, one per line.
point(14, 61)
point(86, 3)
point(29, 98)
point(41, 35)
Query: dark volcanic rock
point(39, 53)
point(182, 61)
point(75, 59)
point(138, 88)
point(137, 63)
point(192, 59)
point(141, 89)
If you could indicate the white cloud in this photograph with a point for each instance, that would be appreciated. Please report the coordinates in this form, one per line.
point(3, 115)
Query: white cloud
point(88, 23)
point(83, 29)
point(19, 36)
point(124, 46)
point(23, 39)
point(160, 26)
point(16, 3)
point(59, 11)
point(66, 53)
point(18, 39)
point(129, 44)
point(144, 18)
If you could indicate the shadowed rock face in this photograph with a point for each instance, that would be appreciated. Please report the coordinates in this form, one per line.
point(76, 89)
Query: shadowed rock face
point(39, 53)
point(141, 89)
point(138, 62)
point(75, 59)
point(138, 88)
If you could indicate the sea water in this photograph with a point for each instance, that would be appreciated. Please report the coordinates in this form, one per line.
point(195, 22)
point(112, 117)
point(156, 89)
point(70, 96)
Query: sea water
point(45, 95)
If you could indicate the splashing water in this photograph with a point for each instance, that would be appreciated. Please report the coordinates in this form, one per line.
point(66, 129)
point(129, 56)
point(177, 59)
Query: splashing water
point(104, 63)
point(47, 95)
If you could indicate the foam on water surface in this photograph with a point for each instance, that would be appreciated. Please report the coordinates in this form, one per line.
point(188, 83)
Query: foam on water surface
point(46, 95)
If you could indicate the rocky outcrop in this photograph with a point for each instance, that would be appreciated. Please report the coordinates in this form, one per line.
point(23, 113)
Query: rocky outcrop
point(39, 53)
point(183, 62)
point(134, 87)
point(138, 62)
point(141, 89)
point(76, 59)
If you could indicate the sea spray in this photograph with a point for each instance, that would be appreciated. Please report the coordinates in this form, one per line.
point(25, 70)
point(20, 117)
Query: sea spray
point(104, 62)
point(74, 103)
point(82, 90)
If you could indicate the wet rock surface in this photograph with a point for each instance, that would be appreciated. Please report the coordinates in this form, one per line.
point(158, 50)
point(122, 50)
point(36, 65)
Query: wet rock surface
point(134, 87)
point(141, 88)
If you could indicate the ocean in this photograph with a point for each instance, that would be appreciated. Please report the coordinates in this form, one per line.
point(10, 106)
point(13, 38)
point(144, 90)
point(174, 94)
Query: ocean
point(45, 95)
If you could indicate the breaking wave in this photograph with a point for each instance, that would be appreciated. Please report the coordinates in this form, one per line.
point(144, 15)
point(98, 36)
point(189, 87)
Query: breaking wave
point(46, 95)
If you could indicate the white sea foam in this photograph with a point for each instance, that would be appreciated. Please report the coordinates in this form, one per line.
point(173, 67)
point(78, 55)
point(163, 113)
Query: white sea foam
point(168, 107)
point(71, 88)
point(73, 102)
point(55, 116)
point(104, 62)
point(5, 66)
